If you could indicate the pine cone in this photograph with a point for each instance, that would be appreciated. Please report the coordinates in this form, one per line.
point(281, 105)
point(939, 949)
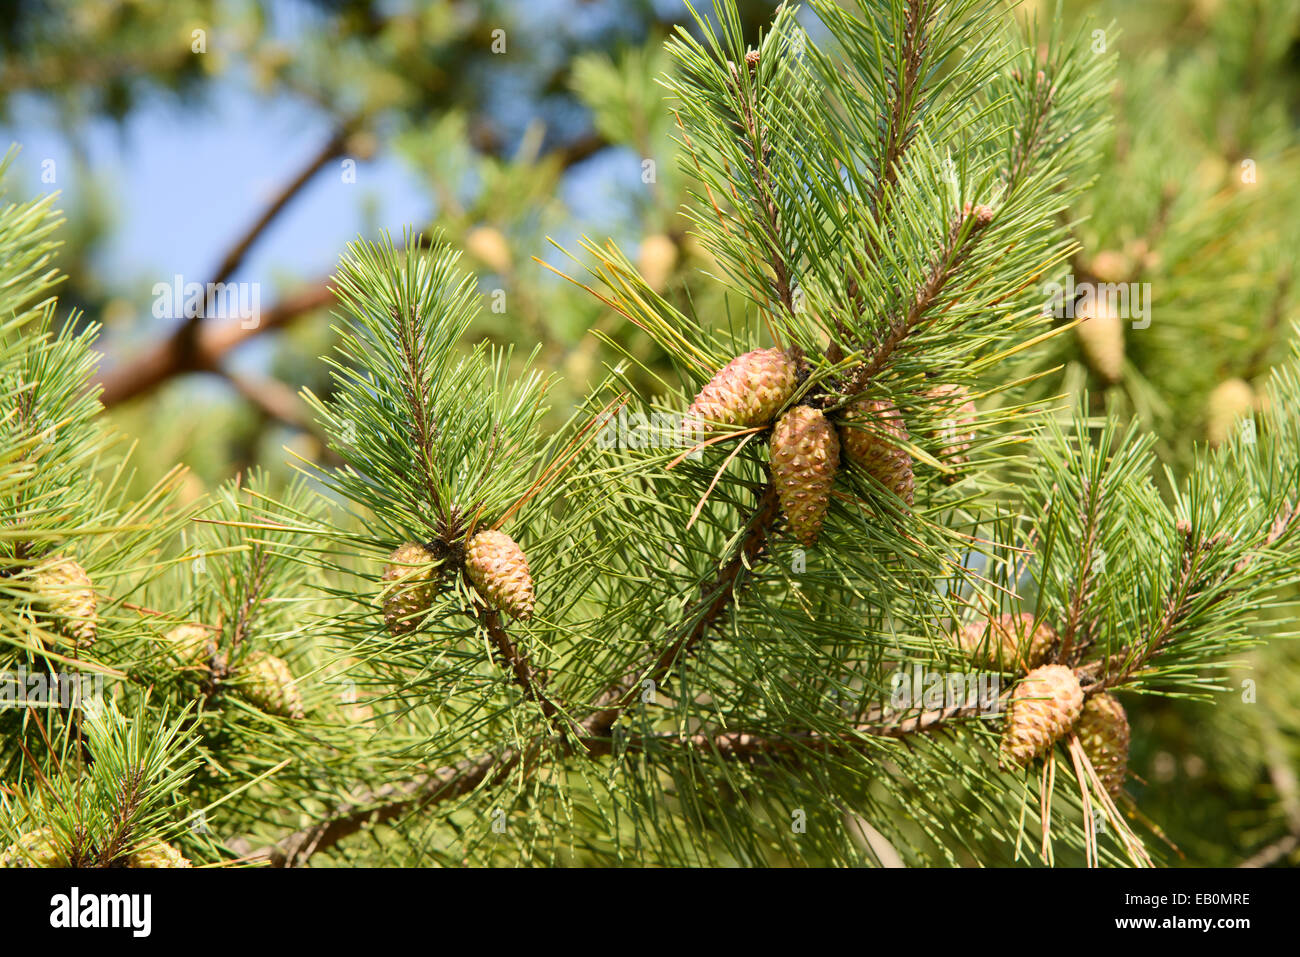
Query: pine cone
point(64, 593)
point(805, 456)
point(192, 644)
point(1009, 641)
point(877, 445)
point(33, 849)
point(1104, 733)
point(499, 570)
point(156, 854)
point(656, 260)
point(1101, 338)
point(748, 392)
point(956, 414)
point(489, 247)
point(1231, 400)
point(416, 576)
point(1043, 708)
point(267, 682)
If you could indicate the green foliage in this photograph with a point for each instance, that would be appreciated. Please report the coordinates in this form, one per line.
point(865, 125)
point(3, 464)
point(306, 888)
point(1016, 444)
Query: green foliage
point(886, 203)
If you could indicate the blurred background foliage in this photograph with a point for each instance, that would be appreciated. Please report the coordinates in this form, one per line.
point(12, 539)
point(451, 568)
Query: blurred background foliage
point(504, 125)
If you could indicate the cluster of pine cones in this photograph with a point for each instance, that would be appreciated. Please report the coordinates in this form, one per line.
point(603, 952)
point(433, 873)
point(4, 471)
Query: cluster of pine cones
point(806, 445)
point(1048, 702)
point(493, 562)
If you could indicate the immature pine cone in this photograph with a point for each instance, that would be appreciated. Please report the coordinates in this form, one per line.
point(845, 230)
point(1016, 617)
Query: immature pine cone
point(499, 570)
point(656, 261)
point(64, 593)
point(1043, 708)
point(192, 644)
point(1101, 339)
point(1104, 733)
point(33, 849)
point(805, 456)
point(489, 247)
point(156, 854)
point(1231, 400)
point(956, 415)
point(267, 682)
point(877, 445)
point(1008, 641)
point(748, 392)
point(414, 578)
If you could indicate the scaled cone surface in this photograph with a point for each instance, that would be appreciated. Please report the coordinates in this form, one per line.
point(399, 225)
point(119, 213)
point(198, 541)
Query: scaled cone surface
point(499, 570)
point(805, 457)
point(1044, 706)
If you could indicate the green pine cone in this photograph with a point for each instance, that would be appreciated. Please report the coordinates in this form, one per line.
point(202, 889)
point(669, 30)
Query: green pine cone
point(805, 457)
point(156, 854)
point(872, 436)
point(748, 392)
point(64, 594)
point(267, 682)
point(412, 578)
point(499, 570)
point(1104, 733)
point(1044, 707)
point(33, 849)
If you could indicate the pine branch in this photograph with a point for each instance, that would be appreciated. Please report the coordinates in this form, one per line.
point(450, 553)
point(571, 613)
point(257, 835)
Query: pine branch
point(410, 337)
point(204, 348)
point(903, 103)
point(381, 805)
point(530, 679)
point(715, 598)
point(961, 242)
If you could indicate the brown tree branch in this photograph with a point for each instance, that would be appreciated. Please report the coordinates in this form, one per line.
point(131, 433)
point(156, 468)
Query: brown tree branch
point(529, 678)
point(202, 348)
point(183, 350)
point(714, 600)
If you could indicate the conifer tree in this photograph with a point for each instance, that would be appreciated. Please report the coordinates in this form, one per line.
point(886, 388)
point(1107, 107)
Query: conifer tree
point(850, 584)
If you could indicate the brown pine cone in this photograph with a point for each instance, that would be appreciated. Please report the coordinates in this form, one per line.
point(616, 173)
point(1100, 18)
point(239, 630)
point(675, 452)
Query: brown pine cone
point(748, 392)
point(1101, 339)
point(955, 411)
point(156, 854)
point(872, 435)
point(63, 593)
point(1044, 706)
point(805, 457)
point(1104, 733)
point(499, 570)
point(412, 577)
point(192, 644)
point(1007, 642)
point(267, 682)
